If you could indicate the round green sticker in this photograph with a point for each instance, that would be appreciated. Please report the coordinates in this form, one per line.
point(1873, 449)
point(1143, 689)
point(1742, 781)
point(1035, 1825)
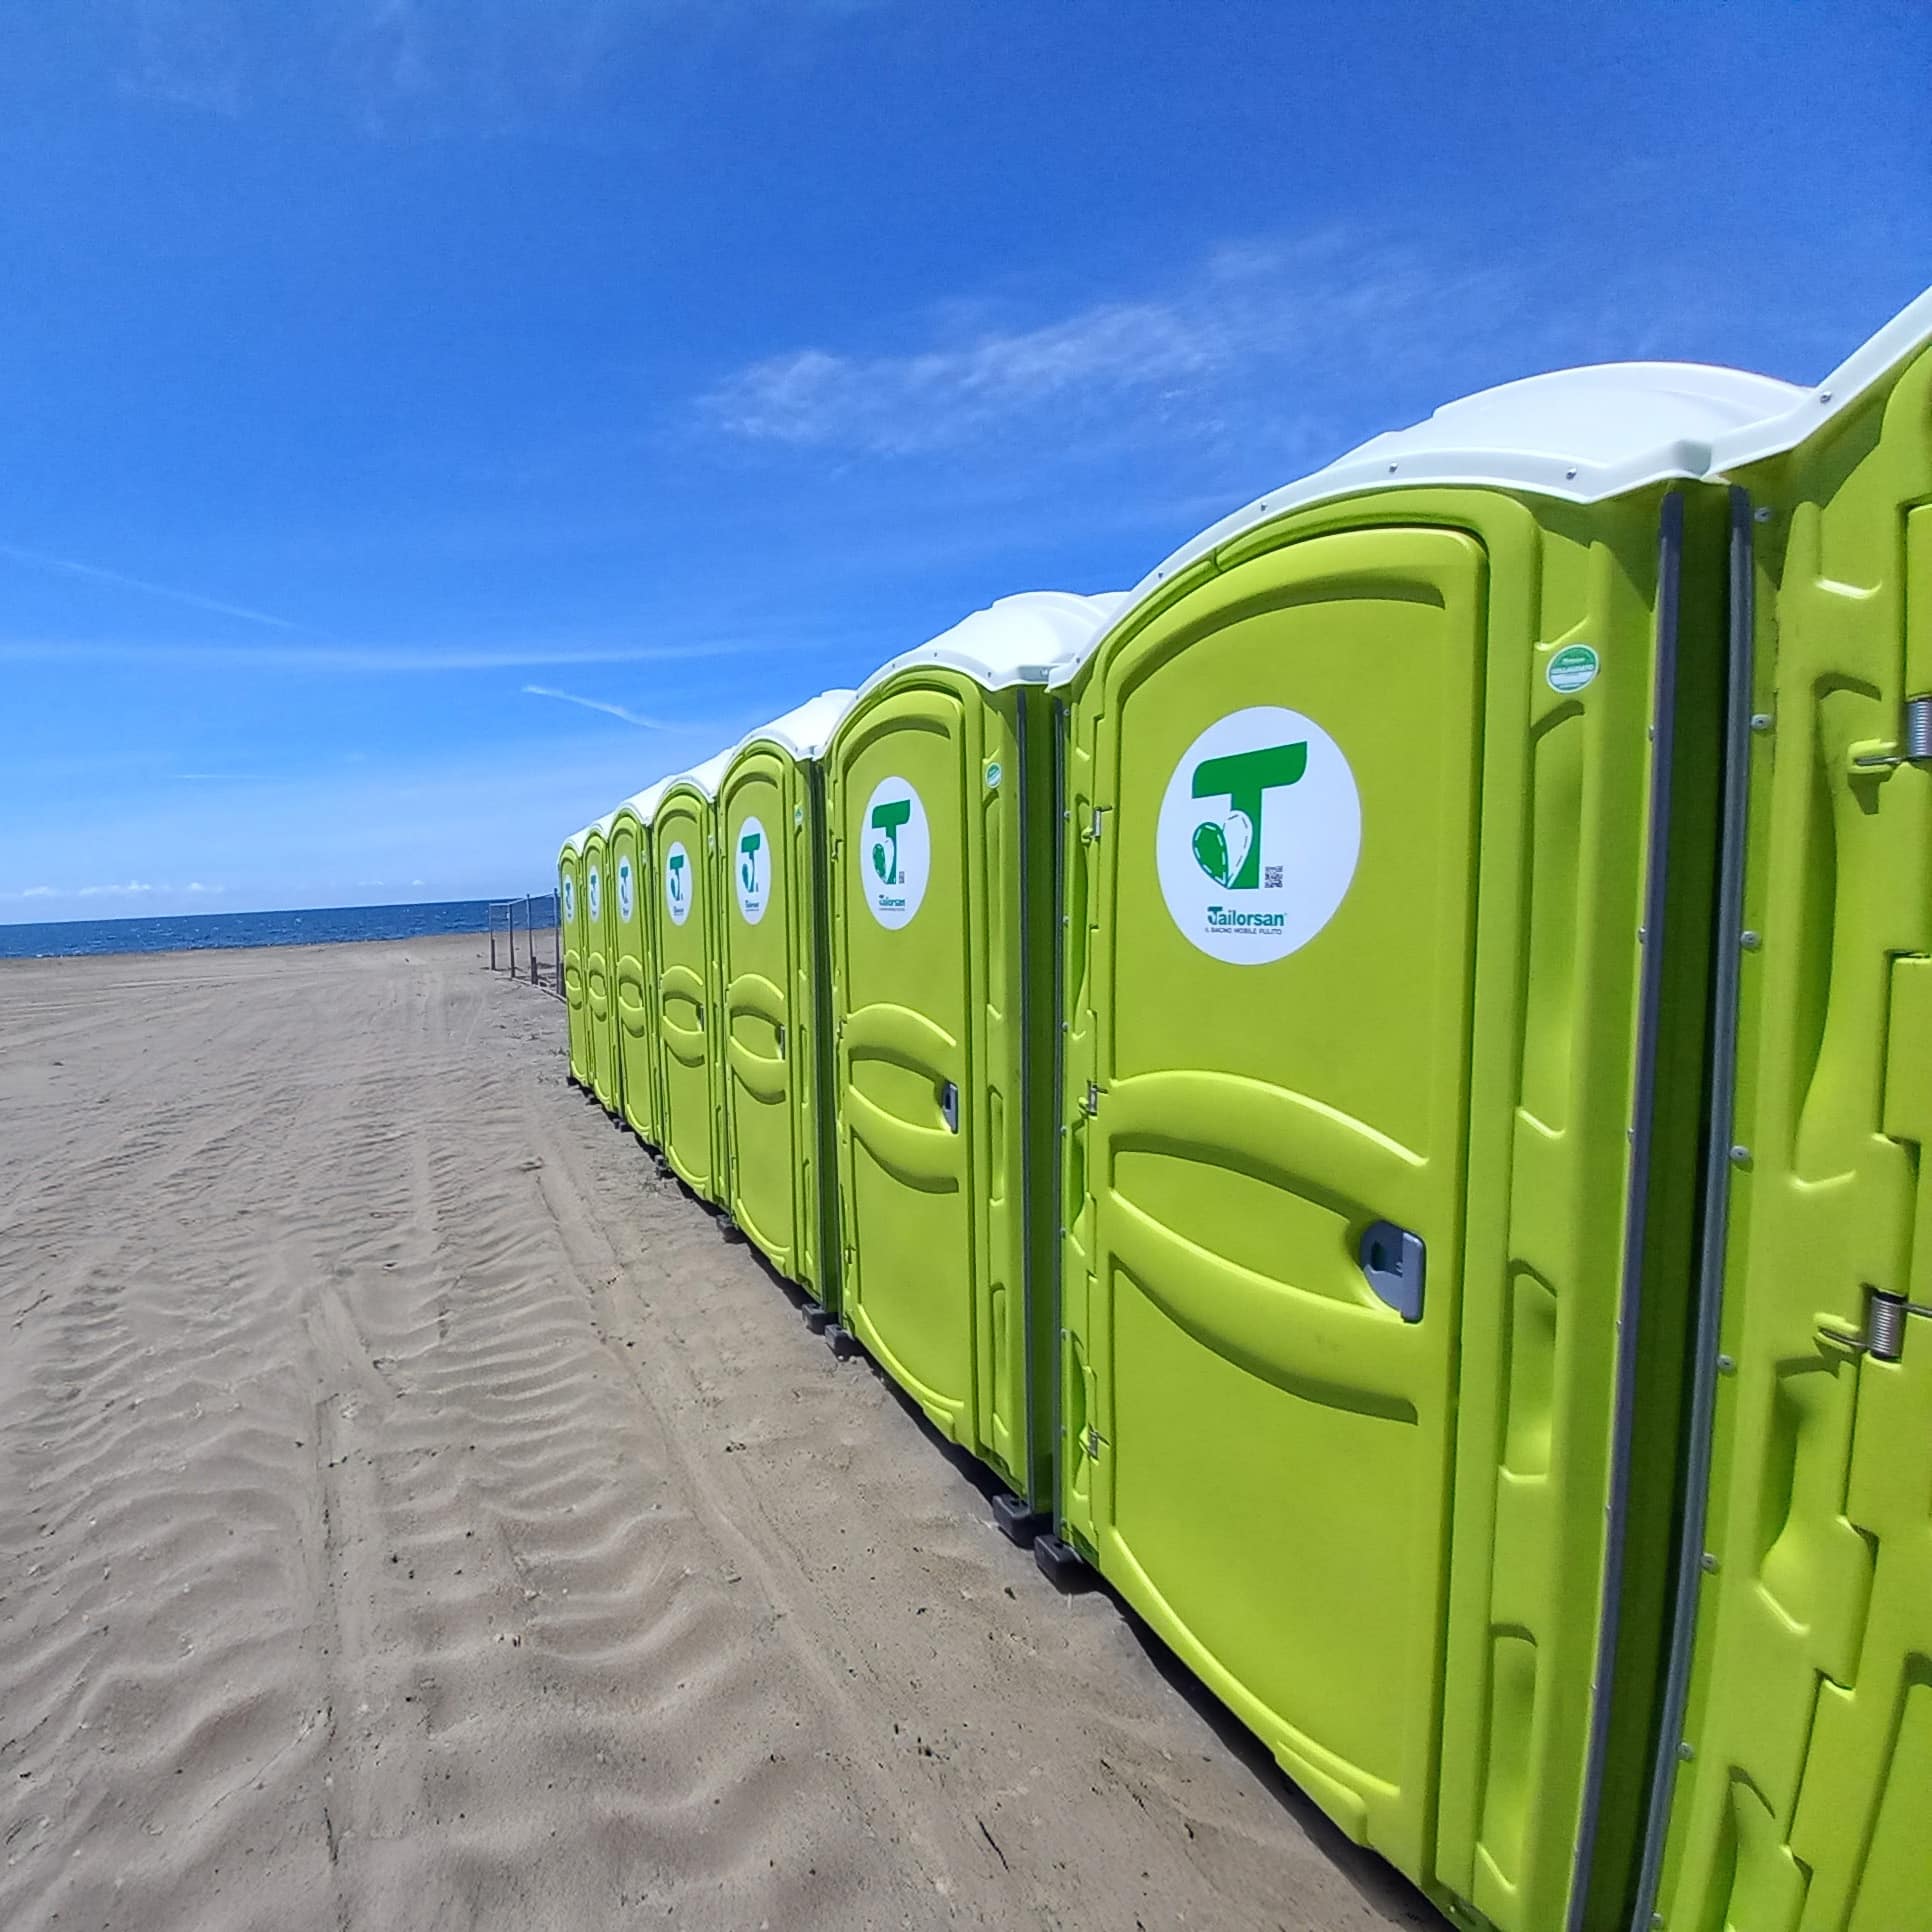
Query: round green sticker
point(1574, 666)
point(992, 774)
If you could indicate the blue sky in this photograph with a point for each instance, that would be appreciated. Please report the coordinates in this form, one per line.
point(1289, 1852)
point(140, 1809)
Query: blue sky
point(386, 387)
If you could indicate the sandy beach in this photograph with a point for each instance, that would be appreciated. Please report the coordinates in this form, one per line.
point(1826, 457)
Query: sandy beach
point(413, 1513)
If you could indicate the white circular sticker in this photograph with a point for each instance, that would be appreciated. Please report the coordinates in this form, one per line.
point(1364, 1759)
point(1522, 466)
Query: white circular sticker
point(895, 852)
point(677, 883)
point(626, 891)
point(751, 851)
point(592, 893)
point(569, 899)
point(1259, 834)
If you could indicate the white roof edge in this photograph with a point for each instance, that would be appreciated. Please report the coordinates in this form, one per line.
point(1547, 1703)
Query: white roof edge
point(1580, 435)
point(705, 776)
point(1868, 365)
point(804, 731)
point(644, 803)
point(1030, 637)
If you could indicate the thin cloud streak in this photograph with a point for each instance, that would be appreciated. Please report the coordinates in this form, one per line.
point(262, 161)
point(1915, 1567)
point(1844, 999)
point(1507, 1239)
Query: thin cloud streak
point(599, 704)
point(69, 566)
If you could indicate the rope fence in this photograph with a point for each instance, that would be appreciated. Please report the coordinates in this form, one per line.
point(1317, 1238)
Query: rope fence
point(537, 955)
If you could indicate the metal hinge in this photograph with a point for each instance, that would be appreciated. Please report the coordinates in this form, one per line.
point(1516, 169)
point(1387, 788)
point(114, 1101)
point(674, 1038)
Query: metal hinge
point(1094, 825)
point(1092, 1442)
point(1884, 1334)
point(1914, 739)
point(1091, 1104)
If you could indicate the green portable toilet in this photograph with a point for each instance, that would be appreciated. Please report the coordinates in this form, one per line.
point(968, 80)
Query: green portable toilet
point(599, 989)
point(570, 866)
point(937, 800)
point(683, 844)
point(1388, 809)
point(772, 978)
point(633, 960)
point(1794, 1774)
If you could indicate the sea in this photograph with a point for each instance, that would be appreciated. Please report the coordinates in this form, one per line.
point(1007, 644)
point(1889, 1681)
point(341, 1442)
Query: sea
point(198, 931)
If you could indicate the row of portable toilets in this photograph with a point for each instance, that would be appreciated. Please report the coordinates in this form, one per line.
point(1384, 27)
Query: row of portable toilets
point(1380, 1082)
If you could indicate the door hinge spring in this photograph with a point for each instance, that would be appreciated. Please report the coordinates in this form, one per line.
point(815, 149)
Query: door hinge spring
point(1884, 1335)
point(1093, 1442)
point(1918, 729)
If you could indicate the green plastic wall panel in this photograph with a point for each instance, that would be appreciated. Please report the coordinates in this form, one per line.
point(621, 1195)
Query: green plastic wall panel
point(1803, 1799)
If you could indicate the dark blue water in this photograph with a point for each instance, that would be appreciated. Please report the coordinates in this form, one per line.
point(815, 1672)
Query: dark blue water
point(197, 931)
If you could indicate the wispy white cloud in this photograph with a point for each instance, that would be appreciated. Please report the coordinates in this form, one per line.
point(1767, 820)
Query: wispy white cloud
point(899, 404)
point(598, 704)
point(97, 573)
point(1252, 328)
point(118, 889)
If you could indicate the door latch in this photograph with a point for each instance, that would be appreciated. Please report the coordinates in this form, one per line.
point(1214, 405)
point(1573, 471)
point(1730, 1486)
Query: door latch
point(949, 1105)
point(1394, 1261)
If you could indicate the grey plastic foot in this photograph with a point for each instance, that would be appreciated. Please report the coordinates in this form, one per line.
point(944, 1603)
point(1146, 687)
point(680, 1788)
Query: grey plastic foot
point(816, 1319)
point(841, 1341)
point(1017, 1523)
point(1062, 1565)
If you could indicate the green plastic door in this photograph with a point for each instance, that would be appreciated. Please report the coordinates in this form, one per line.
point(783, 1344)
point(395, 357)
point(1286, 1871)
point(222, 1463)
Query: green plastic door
point(631, 953)
point(759, 1037)
point(685, 1022)
point(1286, 766)
point(599, 990)
point(901, 990)
point(576, 994)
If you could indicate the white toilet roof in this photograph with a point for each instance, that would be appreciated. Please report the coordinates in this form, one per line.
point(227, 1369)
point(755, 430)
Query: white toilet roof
point(806, 729)
point(705, 776)
point(1032, 637)
point(1908, 331)
point(1584, 435)
point(644, 803)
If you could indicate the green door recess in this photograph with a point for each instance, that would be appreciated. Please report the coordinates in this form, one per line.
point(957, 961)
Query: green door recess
point(631, 902)
point(600, 990)
point(1285, 785)
point(570, 920)
point(762, 1041)
point(686, 1021)
point(900, 973)
point(1803, 1787)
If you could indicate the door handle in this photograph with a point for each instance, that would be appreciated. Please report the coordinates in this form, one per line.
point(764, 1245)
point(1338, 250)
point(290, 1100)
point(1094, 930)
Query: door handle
point(1394, 1261)
point(949, 1105)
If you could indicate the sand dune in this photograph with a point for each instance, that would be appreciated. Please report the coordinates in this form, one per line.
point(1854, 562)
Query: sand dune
point(412, 1514)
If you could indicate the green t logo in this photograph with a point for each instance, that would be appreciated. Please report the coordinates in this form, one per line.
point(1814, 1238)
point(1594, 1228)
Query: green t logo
point(887, 818)
point(677, 875)
point(748, 870)
point(1228, 849)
